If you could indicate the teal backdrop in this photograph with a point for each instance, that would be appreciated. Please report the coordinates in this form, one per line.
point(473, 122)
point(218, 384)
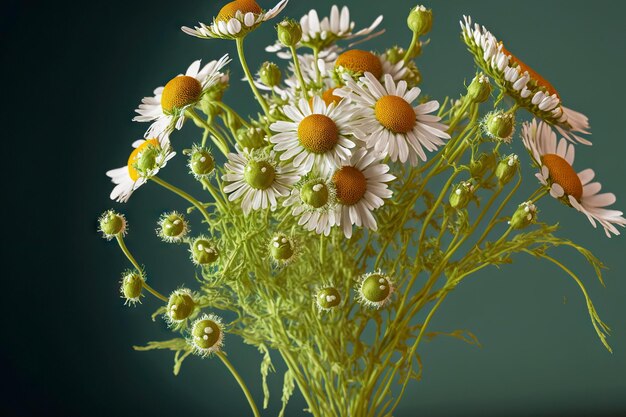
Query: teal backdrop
point(73, 74)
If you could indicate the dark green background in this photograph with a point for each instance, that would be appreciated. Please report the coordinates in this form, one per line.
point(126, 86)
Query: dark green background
point(73, 73)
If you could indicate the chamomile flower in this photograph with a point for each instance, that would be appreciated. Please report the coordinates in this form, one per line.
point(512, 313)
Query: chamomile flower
point(235, 20)
point(555, 160)
point(390, 123)
point(316, 138)
point(258, 179)
point(166, 108)
point(374, 289)
point(529, 89)
point(145, 161)
point(357, 62)
point(314, 200)
point(361, 186)
point(207, 335)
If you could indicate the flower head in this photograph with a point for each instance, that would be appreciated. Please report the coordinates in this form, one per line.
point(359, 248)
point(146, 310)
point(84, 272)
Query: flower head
point(314, 200)
point(315, 138)
point(235, 20)
point(555, 162)
point(360, 185)
point(180, 306)
point(173, 227)
point(391, 124)
point(374, 289)
point(283, 249)
point(131, 287)
point(112, 224)
point(204, 251)
point(529, 89)
point(166, 108)
point(258, 179)
point(144, 162)
point(328, 298)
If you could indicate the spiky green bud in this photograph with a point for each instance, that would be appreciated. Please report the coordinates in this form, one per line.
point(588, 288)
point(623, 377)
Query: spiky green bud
point(289, 32)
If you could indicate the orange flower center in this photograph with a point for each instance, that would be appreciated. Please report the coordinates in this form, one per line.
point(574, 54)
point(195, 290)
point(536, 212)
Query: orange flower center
point(540, 81)
point(359, 61)
point(318, 133)
point(562, 173)
point(180, 92)
point(350, 184)
point(133, 159)
point(395, 114)
point(244, 6)
point(328, 97)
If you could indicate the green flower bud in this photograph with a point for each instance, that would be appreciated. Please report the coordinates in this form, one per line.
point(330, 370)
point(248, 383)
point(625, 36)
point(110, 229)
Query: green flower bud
point(316, 193)
point(524, 216)
point(485, 163)
point(500, 125)
point(172, 227)
point(180, 305)
point(289, 32)
point(132, 285)
point(461, 195)
point(203, 251)
point(479, 89)
point(259, 175)
point(328, 298)
point(394, 54)
point(112, 224)
point(270, 74)
point(506, 169)
point(207, 335)
point(282, 248)
point(420, 20)
point(375, 289)
point(201, 162)
point(251, 138)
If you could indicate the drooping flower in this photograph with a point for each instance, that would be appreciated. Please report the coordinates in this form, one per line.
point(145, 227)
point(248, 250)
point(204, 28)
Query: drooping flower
point(235, 20)
point(555, 162)
point(166, 108)
point(390, 123)
point(258, 179)
point(318, 138)
point(529, 89)
point(145, 161)
point(360, 184)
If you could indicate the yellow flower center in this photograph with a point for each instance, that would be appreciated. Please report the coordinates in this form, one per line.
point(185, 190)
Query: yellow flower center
point(180, 92)
point(328, 97)
point(395, 114)
point(350, 184)
point(134, 157)
point(244, 6)
point(542, 82)
point(359, 61)
point(318, 133)
point(562, 173)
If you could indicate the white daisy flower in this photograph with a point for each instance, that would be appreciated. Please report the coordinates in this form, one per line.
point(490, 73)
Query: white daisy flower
point(391, 124)
point(258, 178)
point(356, 62)
point(235, 20)
point(166, 109)
point(315, 138)
point(360, 187)
point(145, 161)
point(529, 89)
point(555, 160)
point(314, 202)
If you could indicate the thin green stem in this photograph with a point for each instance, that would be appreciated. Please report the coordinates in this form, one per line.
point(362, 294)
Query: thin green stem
point(296, 64)
point(120, 241)
point(246, 70)
point(217, 138)
point(184, 195)
point(241, 383)
point(414, 41)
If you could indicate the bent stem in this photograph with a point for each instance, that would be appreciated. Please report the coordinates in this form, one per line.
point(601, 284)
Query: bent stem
point(120, 241)
point(184, 195)
point(241, 383)
point(246, 70)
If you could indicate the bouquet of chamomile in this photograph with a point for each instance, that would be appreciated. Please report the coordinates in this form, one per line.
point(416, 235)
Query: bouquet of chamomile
point(330, 226)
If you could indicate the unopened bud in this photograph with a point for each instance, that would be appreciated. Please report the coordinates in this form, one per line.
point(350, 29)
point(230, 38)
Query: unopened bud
point(486, 162)
point(201, 162)
point(131, 287)
point(251, 138)
point(289, 32)
point(180, 305)
point(506, 169)
point(204, 251)
point(524, 216)
point(270, 74)
point(500, 125)
point(479, 89)
point(282, 248)
point(328, 298)
point(112, 224)
point(420, 20)
point(461, 195)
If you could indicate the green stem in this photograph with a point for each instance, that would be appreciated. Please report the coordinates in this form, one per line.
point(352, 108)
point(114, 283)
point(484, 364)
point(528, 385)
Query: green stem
point(242, 384)
point(296, 64)
point(218, 139)
point(120, 241)
point(414, 41)
point(246, 70)
point(184, 195)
